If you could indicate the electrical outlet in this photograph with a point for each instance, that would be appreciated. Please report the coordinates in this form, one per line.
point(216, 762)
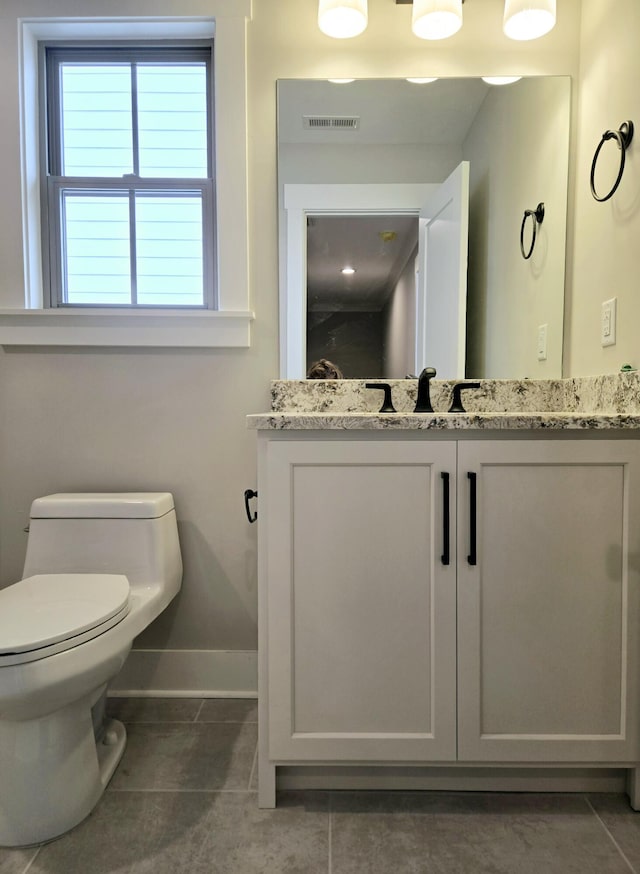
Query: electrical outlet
point(542, 342)
point(608, 322)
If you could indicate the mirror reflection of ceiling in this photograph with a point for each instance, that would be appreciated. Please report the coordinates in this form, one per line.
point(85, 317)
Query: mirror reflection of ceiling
point(388, 111)
point(376, 247)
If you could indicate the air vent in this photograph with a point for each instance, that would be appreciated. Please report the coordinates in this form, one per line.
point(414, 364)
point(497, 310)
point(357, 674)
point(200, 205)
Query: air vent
point(331, 122)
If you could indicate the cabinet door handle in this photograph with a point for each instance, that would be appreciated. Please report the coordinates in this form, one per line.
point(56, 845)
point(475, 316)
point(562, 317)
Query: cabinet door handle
point(446, 530)
point(472, 558)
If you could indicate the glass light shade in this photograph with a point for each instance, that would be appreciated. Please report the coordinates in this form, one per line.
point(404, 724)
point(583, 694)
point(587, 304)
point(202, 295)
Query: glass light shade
point(342, 19)
point(436, 19)
point(501, 80)
point(528, 19)
point(415, 81)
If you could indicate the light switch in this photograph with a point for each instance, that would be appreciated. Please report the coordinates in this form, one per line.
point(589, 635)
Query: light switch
point(608, 322)
point(542, 342)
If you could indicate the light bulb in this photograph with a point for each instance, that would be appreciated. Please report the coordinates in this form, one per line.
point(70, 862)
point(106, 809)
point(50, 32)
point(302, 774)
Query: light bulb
point(528, 19)
point(342, 19)
point(436, 19)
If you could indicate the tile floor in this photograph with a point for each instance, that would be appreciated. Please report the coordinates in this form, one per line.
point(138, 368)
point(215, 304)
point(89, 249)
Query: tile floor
point(183, 801)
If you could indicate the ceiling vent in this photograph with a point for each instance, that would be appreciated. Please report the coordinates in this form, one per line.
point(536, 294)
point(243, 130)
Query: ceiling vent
point(331, 122)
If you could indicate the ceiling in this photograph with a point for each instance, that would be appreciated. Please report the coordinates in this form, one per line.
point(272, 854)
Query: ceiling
point(388, 110)
point(377, 246)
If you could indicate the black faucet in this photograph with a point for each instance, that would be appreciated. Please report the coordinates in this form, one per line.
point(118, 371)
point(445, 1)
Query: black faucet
point(456, 403)
point(423, 400)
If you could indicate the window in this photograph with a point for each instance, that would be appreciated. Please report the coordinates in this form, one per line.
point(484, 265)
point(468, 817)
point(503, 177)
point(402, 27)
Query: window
point(128, 182)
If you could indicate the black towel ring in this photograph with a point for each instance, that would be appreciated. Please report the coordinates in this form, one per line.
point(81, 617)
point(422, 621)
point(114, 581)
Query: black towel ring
point(623, 137)
point(538, 216)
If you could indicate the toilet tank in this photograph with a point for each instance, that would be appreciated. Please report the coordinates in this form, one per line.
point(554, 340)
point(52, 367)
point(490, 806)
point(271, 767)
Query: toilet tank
point(130, 533)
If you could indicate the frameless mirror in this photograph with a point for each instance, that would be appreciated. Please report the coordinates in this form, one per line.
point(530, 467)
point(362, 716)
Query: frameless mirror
point(423, 191)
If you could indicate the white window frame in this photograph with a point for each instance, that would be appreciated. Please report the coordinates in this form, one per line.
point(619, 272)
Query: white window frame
point(53, 181)
point(227, 326)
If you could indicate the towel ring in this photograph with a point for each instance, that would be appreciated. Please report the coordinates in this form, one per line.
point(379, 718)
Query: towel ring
point(538, 216)
point(623, 137)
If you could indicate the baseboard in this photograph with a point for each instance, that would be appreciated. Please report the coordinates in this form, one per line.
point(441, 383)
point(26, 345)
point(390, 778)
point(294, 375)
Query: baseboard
point(188, 673)
point(491, 779)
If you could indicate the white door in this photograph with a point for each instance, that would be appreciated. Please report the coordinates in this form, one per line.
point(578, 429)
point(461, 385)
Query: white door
point(442, 277)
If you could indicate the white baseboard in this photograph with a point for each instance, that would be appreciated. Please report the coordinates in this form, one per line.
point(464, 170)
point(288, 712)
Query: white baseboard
point(188, 673)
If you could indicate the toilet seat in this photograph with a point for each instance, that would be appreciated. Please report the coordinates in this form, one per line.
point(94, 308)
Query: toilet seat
point(49, 613)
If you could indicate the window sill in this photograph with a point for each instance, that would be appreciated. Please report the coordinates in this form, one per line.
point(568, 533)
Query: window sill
point(96, 327)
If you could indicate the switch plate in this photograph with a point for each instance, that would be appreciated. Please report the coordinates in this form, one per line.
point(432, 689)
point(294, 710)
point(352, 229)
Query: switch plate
point(542, 342)
point(608, 322)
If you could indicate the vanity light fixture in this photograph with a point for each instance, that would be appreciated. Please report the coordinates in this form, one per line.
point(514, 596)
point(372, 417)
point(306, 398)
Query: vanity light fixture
point(341, 81)
point(501, 80)
point(436, 19)
point(415, 81)
point(528, 19)
point(523, 19)
point(342, 19)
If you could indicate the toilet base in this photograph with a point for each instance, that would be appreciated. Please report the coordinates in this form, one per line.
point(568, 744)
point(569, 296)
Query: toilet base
point(54, 772)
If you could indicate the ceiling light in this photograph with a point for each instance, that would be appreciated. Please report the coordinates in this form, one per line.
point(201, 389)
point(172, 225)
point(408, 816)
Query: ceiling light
point(342, 19)
point(436, 19)
point(348, 271)
point(422, 81)
point(501, 80)
point(528, 19)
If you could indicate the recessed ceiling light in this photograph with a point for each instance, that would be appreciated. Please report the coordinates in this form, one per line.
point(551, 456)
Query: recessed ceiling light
point(348, 271)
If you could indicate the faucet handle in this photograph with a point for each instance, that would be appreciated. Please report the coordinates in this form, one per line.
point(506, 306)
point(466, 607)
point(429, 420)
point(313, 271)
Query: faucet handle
point(387, 406)
point(456, 403)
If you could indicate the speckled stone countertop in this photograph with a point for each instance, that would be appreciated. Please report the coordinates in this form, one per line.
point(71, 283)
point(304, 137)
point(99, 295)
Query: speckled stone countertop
point(586, 403)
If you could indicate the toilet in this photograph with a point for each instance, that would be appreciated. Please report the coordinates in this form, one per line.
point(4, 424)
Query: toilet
point(99, 569)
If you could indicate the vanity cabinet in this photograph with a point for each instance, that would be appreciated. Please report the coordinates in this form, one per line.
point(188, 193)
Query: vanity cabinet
point(438, 600)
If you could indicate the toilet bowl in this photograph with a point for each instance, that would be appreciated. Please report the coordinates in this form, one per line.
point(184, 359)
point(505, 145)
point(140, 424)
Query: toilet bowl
point(99, 568)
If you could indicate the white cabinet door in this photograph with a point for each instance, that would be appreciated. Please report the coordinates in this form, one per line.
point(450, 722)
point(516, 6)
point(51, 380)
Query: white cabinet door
point(548, 616)
point(361, 608)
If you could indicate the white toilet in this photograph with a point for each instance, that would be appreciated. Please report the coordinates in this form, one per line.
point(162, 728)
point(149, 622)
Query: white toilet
point(99, 568)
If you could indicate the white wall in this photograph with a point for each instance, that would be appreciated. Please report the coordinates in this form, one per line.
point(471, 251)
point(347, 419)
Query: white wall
point(605, 255)
point(509, 297)
point(114, 419)
point(400, 324)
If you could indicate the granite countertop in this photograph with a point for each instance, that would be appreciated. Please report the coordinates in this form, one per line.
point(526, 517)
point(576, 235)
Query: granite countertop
point(554, 421)
point(581, 403)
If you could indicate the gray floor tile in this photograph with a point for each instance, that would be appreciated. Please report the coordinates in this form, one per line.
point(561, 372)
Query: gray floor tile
point(187, 756)
point(194, 833)
point(15, 861)
point(622, 822)
point(229, 710)
point(130, 710)
point(469, 834)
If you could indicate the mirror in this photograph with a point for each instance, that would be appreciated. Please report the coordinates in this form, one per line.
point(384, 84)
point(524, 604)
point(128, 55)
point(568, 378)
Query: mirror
point(358, 164)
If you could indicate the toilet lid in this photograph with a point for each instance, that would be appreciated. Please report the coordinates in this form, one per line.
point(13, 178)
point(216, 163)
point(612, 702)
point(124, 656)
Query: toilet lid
point(49, 608)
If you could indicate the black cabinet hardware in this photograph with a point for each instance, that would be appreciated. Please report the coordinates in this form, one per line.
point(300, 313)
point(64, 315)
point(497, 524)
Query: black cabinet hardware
point(446, 523)
point(472, 558)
